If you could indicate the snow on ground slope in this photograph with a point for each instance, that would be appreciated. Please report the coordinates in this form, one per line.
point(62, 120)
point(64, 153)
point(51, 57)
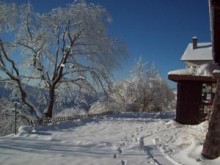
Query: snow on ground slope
point(123, 139)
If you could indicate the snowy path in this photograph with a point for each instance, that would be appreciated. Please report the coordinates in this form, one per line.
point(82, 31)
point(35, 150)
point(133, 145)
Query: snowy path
point(127, 139)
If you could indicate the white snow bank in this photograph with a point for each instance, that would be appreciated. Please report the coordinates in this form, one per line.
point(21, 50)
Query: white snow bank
point(191, 152)
point(186, 71)
point(24, 131)
point(206, 69)
point(200, 70)
point(130, 138)
point(216, 72)
point(27, 129)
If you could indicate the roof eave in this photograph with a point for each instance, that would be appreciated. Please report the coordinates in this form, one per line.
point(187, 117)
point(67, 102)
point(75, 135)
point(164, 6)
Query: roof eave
point(179, 78)
point(196, 60)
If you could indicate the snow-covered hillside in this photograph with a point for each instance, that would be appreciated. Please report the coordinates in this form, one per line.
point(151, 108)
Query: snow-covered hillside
point(128, 138)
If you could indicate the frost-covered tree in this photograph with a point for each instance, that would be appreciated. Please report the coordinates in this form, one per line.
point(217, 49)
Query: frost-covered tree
point(10, 22)
point(144, 91)
point(64, 50)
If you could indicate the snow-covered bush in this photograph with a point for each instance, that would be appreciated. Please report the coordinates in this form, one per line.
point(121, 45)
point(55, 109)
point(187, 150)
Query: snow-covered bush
point(107, 105)
point(144, 91)
point(75, 104)
point(66, 112)
point(7, 118)
point(7, 122)
point(27, 129)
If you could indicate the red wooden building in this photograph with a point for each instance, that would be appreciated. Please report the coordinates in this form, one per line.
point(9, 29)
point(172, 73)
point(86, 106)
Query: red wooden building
point(194, 97)
point(196, 87)
point(195, 83)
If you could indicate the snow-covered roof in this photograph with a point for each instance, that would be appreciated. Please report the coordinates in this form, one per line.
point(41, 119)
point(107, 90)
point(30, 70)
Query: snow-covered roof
point(203, 51)
point(200, 70)
point(185, 71)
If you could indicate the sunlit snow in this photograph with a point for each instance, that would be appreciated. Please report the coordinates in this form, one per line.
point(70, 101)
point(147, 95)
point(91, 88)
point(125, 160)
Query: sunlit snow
point(201, 70)
point(128, 138)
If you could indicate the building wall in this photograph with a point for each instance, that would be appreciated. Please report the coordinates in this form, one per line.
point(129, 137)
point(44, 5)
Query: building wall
point(189, 101)
point(196, 63)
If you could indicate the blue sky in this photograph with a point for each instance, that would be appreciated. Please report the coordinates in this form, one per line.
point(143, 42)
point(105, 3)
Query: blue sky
point(156, 30)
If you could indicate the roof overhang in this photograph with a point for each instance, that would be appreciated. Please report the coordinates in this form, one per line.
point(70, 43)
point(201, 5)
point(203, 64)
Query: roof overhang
point(178, 78)
point(214, 9)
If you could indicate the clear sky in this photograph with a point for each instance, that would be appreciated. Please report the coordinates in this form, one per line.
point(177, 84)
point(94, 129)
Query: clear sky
point(156, 30)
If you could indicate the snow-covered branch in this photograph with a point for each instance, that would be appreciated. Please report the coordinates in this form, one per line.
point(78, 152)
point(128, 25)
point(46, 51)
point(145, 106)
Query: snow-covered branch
point(58, 47)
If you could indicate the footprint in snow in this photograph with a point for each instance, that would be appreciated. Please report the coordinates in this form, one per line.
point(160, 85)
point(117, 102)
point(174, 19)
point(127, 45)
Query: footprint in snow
point(119, 150)
point(141, 142)
point(123, 162)
point(122, 144)
point(108, 144)
point(115, 156)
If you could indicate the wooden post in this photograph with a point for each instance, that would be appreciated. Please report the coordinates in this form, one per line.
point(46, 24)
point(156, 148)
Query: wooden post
point(15, 106)
point(211, 146)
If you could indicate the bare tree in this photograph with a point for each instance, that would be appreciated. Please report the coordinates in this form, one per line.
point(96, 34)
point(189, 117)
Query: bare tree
point(66, 49)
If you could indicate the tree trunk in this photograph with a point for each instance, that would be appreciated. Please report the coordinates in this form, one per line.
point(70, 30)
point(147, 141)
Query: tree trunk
point(211, 146)
point(49, 113)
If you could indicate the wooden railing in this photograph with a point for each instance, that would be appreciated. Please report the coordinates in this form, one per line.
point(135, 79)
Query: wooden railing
point(46, 121)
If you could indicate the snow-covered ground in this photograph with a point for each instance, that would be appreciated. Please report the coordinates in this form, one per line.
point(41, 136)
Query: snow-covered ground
point(123, 139)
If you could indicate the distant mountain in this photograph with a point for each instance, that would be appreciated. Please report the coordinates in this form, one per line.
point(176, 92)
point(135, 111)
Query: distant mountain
point(4, 93)
point(83, 101)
